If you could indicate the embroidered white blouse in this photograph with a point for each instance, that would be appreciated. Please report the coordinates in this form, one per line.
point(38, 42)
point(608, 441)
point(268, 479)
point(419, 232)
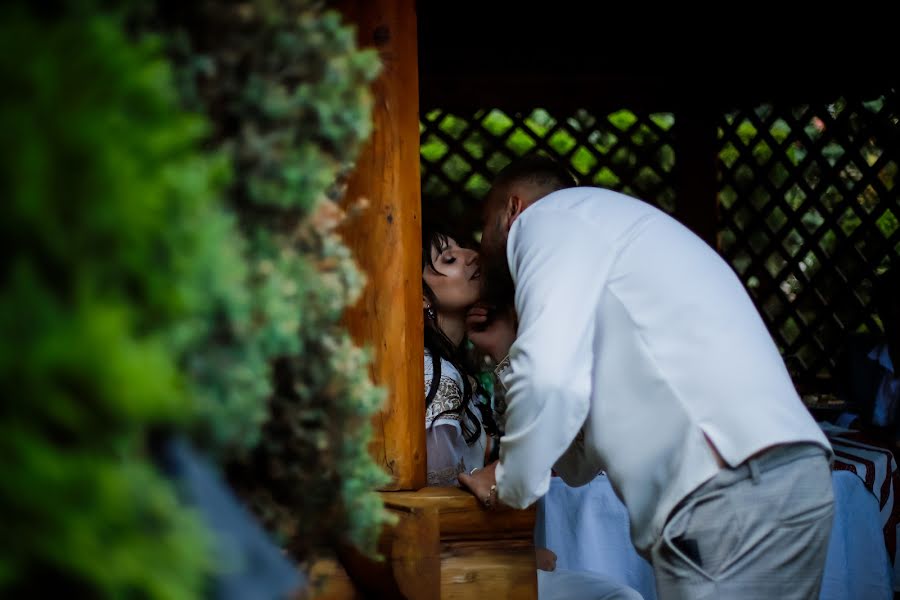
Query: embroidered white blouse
point(448, 454)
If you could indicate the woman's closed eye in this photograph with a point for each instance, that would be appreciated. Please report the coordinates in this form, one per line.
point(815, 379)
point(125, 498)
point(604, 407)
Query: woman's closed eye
point(446, 256)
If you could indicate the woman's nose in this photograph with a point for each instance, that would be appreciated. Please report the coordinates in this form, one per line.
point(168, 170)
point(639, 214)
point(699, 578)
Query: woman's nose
point(471, 257)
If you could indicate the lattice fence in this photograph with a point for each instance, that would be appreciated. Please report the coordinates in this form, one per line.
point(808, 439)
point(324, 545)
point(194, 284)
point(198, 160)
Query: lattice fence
point(808, 204)
point(808, 215)
point(624, 151)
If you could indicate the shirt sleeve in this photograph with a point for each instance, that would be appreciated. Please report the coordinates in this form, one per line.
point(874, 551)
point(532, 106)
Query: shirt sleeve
point(444, 446)
point(445, 443)
point(560, 268)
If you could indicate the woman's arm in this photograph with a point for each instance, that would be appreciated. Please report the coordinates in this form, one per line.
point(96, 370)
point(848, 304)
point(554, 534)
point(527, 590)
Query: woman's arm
point(444, 445)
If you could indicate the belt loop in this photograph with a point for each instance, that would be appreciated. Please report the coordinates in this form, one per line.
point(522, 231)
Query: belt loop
point(754, 470)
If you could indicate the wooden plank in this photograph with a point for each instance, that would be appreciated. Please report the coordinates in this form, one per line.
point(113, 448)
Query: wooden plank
point(696, 200)
point(462, 516)
point(411, 559)
point(483, 553)
point(488, 569)
point(329, 581)
point(601, 92)
point(446, 545)
point(386, 239)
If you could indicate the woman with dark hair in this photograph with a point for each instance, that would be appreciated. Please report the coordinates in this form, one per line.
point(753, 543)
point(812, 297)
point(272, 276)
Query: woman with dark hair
point(460, 428)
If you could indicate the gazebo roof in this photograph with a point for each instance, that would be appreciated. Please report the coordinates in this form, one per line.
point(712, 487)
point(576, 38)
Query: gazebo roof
point(568, 54)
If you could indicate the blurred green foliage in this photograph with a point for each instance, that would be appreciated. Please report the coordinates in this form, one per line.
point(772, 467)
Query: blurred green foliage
point(118, 253)
point(172, 263)
point(286, 93)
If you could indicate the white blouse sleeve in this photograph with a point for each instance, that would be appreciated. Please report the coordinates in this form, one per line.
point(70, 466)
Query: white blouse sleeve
point(447, 452)
point(443, 445)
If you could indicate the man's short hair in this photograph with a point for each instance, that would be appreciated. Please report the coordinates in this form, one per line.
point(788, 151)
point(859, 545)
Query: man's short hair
point(538, 170)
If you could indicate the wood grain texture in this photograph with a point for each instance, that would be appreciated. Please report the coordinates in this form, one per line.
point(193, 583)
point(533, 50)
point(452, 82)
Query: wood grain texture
point(386, 239)
point(488, 569)
point(410, 563)
point(329, 581)
point(445, 545)
point(462, 516)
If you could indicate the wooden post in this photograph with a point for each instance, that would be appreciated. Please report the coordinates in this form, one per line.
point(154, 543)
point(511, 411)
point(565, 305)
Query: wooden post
point(386, 239)
point(697, 192)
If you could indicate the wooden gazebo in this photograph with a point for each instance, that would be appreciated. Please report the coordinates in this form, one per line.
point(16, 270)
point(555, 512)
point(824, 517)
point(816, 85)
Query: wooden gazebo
point(787, 165)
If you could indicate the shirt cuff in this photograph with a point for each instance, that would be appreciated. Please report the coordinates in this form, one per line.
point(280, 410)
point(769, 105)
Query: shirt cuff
point(501, 370)
point(525, 497)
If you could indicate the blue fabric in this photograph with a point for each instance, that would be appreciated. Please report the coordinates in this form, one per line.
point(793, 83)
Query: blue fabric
point(858, 377)
point(857, 565)
point(251, 565)
point(587, 528)
point(888, 388)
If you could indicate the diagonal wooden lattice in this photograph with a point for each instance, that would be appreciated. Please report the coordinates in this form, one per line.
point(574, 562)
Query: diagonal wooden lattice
point(808, 208)
point(808, 214)
point(623, 151)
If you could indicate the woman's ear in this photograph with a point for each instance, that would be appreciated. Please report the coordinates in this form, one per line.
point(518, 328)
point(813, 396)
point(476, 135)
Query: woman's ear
point(428, 307)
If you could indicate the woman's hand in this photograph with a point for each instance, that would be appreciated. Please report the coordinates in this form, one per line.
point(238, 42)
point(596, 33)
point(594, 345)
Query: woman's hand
point(483, 484)
point(492, 331)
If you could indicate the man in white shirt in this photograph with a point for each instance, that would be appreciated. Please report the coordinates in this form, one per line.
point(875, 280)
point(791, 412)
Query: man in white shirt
point(639, 352)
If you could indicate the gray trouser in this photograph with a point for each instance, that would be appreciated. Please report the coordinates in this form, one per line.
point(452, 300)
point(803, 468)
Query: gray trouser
point(759, 530)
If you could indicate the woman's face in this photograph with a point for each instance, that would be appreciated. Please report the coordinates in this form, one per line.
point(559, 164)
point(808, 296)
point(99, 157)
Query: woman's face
point(454, 278)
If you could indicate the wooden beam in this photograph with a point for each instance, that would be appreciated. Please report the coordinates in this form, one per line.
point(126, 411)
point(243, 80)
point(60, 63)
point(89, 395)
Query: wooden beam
point(525, 92)
point(696, 200)
point(386, 239)
point(410, 563)
point(444, 544)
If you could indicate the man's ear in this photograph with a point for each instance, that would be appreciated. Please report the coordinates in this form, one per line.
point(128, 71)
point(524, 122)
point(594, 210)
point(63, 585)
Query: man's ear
point(514, 207)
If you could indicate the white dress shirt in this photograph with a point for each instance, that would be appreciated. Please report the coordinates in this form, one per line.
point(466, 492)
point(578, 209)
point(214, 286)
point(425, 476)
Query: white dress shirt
point(635, 341)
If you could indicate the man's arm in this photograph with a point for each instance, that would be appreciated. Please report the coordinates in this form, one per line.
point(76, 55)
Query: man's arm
point(560, 267)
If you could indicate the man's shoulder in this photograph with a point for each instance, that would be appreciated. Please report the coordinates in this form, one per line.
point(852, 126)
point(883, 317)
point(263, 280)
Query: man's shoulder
point(587, 205)
point(582, 215)
point(578, 197)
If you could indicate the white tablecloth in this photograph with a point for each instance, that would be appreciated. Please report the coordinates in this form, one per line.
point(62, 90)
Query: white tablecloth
point(587, 528)
point(876, 468)
point(857, 565)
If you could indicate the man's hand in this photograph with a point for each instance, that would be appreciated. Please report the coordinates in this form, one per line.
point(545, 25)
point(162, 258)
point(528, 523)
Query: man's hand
point(480, 484)
point(492, 331)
